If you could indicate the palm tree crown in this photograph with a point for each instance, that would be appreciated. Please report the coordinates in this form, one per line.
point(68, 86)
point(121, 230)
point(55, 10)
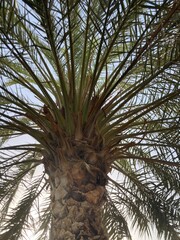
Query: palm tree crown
point(96, 81)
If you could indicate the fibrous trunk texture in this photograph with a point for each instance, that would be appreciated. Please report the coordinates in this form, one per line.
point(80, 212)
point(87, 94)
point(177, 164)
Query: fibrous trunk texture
point(77, 196)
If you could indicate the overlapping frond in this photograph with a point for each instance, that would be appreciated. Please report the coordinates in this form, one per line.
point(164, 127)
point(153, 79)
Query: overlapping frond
point(19, 189)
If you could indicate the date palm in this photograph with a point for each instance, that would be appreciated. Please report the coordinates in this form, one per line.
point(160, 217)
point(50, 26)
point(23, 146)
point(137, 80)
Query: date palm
point(95, 84)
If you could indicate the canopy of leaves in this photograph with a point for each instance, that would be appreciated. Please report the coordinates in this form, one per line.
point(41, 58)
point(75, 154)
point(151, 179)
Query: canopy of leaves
point(103, 70)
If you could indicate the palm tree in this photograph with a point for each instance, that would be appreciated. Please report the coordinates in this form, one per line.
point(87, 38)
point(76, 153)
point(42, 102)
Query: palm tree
point(95, 84)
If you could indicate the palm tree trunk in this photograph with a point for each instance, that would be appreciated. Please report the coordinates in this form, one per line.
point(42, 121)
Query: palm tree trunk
point(77, 197)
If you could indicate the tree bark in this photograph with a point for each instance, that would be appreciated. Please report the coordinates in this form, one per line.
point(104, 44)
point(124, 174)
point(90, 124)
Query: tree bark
point(77, 196)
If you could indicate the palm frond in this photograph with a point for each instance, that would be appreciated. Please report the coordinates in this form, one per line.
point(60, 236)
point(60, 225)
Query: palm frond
point(104, 72)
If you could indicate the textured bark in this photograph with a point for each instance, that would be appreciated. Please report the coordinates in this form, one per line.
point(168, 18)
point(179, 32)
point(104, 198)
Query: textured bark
point(77, 196)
